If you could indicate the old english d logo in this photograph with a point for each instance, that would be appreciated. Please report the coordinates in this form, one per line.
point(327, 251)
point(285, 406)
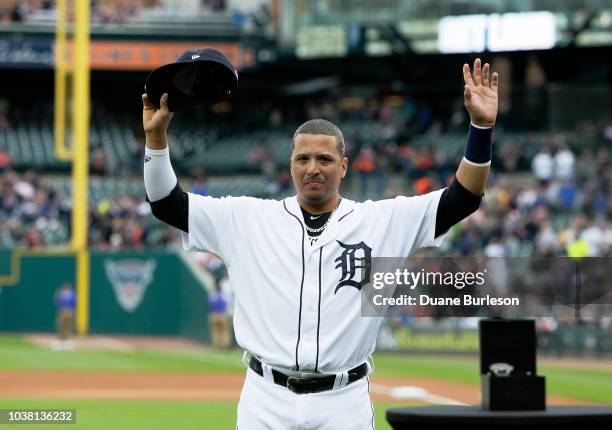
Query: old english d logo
point(358, 256)
point(130, 278)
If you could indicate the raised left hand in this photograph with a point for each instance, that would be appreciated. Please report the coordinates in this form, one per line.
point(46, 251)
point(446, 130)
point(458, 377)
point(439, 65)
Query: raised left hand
point(480, 94)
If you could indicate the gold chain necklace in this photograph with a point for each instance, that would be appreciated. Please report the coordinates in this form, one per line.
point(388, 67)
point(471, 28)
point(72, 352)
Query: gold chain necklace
point(317, 230)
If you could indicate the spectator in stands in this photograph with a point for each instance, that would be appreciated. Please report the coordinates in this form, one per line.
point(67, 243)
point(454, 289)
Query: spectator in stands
point(542, 165)
point(546, 241)
point(258, 153)
point(497, 267)
point(422, 185)
point(98, 162)
point(425, 161)
point(26, 185)
point(200, 185)
point(269, 169)
point(564, 162)
point(568, 195)
point(5, 160)
point(136, 156)
point(365, 166)
point(384, 155)
point(284, 181)
point(596, 238)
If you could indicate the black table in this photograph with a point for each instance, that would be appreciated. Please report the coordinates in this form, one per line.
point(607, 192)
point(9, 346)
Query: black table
point(473, 417)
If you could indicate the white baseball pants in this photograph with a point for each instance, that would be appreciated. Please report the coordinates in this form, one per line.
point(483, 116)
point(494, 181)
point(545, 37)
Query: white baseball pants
point(266, 405)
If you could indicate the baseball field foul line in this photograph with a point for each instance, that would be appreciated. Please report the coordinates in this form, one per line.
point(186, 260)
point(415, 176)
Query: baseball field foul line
point(415, 393)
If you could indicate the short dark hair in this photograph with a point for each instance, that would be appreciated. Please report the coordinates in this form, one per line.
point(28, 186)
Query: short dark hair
point(320, 126)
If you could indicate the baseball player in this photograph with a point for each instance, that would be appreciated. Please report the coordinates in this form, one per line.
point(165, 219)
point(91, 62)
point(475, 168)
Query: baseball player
point(294, 262)
point(65, 300)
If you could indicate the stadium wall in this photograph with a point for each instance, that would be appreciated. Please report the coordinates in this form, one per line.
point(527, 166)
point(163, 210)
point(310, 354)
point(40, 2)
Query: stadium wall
point(149, 293)
point(28, 305)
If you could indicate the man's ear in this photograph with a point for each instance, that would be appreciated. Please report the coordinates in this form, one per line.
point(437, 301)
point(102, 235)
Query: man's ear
point(344, 166)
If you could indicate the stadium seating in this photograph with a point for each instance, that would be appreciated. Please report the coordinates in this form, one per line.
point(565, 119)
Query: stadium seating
point(105, 188)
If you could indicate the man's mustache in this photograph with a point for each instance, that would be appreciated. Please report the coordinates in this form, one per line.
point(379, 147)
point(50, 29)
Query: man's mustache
point(316, 179)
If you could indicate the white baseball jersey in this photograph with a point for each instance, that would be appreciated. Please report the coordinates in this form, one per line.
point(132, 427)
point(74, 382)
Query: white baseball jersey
point(298, 306)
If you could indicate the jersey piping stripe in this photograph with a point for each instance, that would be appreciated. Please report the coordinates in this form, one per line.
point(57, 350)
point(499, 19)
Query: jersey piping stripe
point(297, 344)
point(345, 215)
point(319, 311)
point(371, 404)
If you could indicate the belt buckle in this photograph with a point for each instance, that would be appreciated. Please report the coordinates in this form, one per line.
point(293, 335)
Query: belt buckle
point(300, 386)
point(290, 386)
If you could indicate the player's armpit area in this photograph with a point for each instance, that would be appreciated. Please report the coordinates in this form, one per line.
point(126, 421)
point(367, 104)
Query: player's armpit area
point(456, 203)
point(173, 209)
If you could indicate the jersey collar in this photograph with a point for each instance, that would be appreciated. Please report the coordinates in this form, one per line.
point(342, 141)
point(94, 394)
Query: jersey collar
point(330, 232)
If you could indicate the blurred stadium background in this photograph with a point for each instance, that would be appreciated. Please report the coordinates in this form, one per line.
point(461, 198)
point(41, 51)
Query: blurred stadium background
point(388, 73)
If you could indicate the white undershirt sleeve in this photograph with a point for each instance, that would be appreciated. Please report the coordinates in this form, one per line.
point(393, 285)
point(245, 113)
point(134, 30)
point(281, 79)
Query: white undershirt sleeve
point(159, 177)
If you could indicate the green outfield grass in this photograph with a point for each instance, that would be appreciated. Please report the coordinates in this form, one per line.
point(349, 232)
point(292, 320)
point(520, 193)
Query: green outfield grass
point(137, 415)
point(594, 385)
point(17, 353)
point(151, 415)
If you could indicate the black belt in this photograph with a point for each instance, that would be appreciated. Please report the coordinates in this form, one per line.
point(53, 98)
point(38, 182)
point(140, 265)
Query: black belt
point(308, 385)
